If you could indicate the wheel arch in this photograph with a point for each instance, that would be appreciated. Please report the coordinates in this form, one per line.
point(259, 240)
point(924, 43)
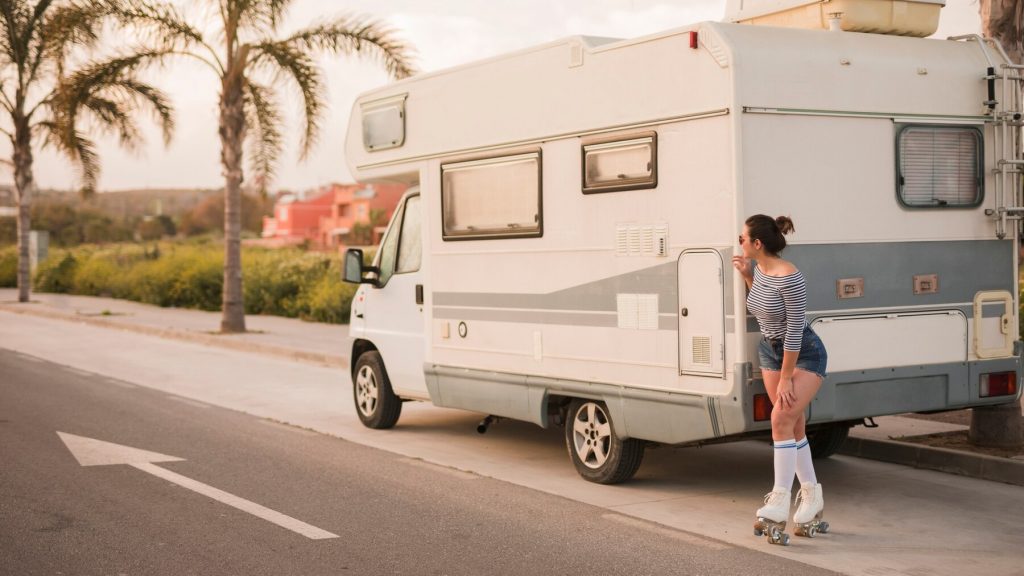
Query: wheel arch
point(359, 347)
point(558, 404)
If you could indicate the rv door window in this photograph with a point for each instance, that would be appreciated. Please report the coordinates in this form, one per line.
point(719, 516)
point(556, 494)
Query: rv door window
point(939, 166)
point(409, 244)
point(620, 165)
point(385, 260)
point(492, 198)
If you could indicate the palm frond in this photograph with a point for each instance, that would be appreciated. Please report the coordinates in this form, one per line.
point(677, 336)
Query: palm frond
point(287, 59)
point(65, 27)
point(162, 27)
point(78, 24)
point(76, 146)
point(15, 39)
point(351, 35)
point(263, 116)
point(111, 92)
point(261, 15)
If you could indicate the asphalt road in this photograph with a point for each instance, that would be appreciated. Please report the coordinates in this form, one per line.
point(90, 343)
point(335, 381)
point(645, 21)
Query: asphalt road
point(392, 514)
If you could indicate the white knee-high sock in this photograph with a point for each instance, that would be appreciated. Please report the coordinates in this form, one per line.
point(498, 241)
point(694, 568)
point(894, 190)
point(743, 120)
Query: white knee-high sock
point(804, 465)
point(785, 464)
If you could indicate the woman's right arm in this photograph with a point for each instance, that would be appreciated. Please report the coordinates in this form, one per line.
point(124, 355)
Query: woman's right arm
point(743, 266)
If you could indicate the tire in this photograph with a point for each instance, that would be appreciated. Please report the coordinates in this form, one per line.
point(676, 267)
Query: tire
point(596, 451)
point(376, 404)
point(827, 441)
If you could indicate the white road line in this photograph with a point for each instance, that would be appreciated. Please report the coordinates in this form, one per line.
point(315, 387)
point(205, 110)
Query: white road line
point(666, 531)
point(242, 504)
point(92, 452)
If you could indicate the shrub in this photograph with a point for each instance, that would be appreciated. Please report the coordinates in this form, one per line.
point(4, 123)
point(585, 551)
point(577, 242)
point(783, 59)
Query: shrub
point(189, 274)
point(56, 273)
point(9, 267)
point(96, 276)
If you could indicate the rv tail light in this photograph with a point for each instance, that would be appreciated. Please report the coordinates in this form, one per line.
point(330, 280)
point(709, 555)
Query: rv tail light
point(998, 384)
point(762, 408)
point(693, 40)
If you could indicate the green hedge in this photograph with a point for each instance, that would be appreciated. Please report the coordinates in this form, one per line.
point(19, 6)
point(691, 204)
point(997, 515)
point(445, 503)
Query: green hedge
point(9, 267)
point(284, 282)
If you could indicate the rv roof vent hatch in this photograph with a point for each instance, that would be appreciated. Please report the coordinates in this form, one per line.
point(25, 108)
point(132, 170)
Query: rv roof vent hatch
point(898, 17)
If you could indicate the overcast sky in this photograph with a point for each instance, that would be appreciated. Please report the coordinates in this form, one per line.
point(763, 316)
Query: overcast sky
point(444, 33)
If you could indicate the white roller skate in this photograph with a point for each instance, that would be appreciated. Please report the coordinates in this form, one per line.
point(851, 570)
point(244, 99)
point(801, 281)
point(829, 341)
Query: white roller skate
point(771, 518)
point(808, 514)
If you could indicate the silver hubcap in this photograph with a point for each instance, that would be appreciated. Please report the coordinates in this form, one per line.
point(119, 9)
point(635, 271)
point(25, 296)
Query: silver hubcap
point(591, 435)
point(367, 392)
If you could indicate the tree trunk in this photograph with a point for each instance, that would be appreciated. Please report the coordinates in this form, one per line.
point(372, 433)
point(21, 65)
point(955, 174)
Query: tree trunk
point(1001, 20)
point(232, 137)
point(23, 195)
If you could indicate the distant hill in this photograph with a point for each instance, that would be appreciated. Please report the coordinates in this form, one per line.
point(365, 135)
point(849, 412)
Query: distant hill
point(131, 204)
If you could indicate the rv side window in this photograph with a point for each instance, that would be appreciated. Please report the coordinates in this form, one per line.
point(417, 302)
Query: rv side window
point(939, 166)
point(620, 165)
point(492, 198)
point(409, 244)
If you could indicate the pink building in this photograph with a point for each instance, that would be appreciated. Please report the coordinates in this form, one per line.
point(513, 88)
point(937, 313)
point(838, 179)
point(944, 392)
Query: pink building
point(295, 220)
point(337, 216)
point(350, 220)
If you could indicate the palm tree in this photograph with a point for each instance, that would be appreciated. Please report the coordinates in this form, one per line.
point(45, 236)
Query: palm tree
point(44, 103)
point(250, 62)
point(1003, 21)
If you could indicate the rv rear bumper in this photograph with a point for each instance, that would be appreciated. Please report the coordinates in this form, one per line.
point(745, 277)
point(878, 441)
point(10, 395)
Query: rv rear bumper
point(857, 394)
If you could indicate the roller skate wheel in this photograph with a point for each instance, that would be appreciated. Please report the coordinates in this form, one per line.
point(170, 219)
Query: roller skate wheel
point(758, 532)
point(823, 527)
point(784, 539)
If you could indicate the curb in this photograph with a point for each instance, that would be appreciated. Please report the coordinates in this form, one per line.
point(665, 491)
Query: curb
point(940, 459)
point(331, 360)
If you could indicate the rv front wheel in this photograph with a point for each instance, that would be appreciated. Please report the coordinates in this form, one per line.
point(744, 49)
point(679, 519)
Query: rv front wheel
point(376, 404)
point(595, 449)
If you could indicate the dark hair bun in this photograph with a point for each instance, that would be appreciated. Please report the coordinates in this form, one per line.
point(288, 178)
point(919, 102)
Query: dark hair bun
point(785, 224)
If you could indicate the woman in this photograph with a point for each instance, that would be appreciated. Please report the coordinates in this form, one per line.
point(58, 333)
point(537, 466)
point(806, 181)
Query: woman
point(792, 360)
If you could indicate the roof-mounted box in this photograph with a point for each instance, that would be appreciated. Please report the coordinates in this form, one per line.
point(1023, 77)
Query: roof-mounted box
point(898, 17)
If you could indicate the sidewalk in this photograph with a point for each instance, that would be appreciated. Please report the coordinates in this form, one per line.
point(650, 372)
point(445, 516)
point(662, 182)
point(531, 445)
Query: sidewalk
point(324, 344)
point(284, 337)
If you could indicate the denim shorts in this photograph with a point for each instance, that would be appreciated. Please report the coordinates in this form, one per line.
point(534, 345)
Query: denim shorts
point(813, 357)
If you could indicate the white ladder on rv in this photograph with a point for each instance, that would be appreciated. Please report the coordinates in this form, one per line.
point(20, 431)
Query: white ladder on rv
point(1005, 109)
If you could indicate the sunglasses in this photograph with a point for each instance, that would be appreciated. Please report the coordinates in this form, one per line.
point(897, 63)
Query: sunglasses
point(742, 240)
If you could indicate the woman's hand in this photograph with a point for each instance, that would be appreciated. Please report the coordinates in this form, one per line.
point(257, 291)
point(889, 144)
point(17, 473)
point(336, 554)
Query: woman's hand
point(787, 395)
point(743, 265)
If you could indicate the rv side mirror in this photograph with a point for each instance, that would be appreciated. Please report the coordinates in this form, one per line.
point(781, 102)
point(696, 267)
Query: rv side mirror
point(354, 271)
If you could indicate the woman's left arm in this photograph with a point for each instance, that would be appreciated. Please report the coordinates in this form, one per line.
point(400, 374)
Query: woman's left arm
point(794, 297)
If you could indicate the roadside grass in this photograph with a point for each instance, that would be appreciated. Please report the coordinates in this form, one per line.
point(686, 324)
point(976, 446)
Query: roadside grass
point(286, 282)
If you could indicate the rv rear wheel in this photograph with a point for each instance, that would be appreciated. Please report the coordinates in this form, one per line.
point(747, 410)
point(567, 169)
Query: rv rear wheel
point(595, 449)
point(827, 441)
point(376, 404)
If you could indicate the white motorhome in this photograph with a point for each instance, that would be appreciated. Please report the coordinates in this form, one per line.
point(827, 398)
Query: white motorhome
point(563, 255)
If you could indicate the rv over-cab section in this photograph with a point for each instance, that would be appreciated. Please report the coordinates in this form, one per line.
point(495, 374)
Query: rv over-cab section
point(582, 85)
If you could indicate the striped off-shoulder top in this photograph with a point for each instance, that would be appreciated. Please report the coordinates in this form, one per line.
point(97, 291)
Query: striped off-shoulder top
point(780, 305)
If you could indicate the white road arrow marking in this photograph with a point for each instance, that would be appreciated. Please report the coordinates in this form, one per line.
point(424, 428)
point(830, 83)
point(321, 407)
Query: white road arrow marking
point(90, 452)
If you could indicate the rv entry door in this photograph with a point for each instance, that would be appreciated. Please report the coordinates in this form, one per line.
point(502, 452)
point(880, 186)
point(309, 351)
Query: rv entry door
point(701, 313)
